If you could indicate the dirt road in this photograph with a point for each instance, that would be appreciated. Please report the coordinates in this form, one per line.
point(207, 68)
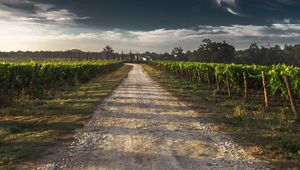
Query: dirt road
point(142, 126)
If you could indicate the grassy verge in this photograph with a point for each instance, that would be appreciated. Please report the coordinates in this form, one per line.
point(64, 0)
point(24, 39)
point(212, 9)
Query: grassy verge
point(268, 134)
point(29, 127)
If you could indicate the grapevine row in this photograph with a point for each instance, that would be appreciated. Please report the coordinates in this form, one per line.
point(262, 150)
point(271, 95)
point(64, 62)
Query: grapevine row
point(15, 78)
point(274, 80)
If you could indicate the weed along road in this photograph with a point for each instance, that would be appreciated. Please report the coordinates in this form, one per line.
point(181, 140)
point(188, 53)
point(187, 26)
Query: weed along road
point(142, 126)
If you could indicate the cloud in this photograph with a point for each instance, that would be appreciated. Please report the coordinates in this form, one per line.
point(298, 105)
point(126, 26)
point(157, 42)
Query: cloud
point(232, 12)
point(230, 6)
point(26, 25)
point(36, 36)
point(235, 7)
point(62, 15)
point(287, 20)
point(26, 10)
point(230, 2)
point(276, 5)
point(288, 2)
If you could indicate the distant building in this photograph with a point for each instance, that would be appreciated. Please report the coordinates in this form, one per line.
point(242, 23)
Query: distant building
point(146, 58)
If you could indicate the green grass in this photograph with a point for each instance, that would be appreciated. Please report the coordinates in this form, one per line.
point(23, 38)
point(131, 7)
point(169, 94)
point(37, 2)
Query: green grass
point(268, 133)
point(29, 127)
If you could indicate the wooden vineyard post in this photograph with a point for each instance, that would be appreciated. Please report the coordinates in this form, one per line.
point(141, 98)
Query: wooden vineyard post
point(264, 80)
point(11, 89)
point(12, 80)
point(187, 76)
point(182, 74)
point(208, 79)
point(199, 78)
point(202, 79)
point(218, 82)
point(190, 75)
point(228, 85)
point(245, 85)
point(177, 73)
point(32, 82)
point(291, 96)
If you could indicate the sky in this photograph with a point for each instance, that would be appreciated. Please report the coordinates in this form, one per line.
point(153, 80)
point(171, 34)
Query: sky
point(145, 25)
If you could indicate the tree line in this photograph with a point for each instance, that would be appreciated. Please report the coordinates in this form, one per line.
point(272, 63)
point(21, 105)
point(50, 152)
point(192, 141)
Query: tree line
point(106, 54)
point(209, 51)
point(222, 52)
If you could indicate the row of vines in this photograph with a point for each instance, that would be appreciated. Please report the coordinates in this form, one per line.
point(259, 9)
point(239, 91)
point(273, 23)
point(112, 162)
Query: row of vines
point(34, 78)
point(276, 80)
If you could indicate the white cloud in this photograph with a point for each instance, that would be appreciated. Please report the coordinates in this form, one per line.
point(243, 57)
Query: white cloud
point(229, 5)
point(232, 12)
point(72, 37)
point(287, 20)
point(36, 36)
point(26, 10)
point(62, 15)
point(286, 27)
point(231, 2)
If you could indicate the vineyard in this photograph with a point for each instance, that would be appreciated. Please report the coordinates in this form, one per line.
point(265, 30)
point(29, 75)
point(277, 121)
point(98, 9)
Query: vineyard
point(277, 80)
point(35, 78)
point(47, 100)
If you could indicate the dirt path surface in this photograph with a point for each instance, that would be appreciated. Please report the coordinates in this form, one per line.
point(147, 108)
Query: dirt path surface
point(142, 126)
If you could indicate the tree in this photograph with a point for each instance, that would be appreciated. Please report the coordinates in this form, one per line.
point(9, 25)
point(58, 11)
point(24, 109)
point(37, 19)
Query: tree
point(177, 52)
point(262, 56)
point(218, 52)
point(131, 56)
point(122, 56)
point(167, 56)
point(189, 55)
point(108, 52)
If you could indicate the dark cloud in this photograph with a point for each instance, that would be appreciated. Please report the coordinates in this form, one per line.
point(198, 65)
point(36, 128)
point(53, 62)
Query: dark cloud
point(289, 2)
point(18, 10)
point(156, 25)
point(155, 14)
point(17, 5)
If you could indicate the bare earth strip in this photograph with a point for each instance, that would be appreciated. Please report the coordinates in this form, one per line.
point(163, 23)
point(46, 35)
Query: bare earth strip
point(142, 126)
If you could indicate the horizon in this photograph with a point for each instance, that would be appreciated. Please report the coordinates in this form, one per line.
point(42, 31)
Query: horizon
point(152, 26)
point(141, 52)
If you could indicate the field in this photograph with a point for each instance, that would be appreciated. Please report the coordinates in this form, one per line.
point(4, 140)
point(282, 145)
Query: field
point(157, 111)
